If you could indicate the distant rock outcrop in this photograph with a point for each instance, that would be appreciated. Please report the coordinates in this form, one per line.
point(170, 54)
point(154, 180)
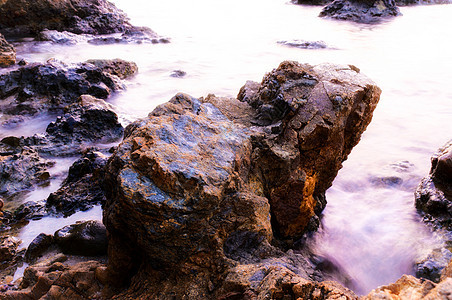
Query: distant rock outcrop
point(361, 11)
point(203, 186)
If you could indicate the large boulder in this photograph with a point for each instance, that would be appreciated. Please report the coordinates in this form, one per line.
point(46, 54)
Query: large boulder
point(361, 11)
point(23, 17)
point(7, 53)
point(203, 184)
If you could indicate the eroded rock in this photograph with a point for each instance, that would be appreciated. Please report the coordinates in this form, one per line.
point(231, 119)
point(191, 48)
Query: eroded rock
point(203, 185)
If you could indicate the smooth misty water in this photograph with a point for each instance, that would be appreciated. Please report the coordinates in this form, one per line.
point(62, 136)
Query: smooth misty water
point(369, 229)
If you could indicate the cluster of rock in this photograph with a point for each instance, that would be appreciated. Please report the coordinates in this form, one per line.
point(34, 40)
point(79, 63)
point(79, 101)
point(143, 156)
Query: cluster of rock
point(203, 190)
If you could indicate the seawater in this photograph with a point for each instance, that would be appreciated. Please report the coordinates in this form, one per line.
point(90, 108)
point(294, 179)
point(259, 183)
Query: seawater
point(369, 229)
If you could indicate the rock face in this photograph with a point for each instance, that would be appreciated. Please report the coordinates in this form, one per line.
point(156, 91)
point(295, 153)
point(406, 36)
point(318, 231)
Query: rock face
point(361, 11)
point(23, 17)
point(202, 184)
point(7, 53)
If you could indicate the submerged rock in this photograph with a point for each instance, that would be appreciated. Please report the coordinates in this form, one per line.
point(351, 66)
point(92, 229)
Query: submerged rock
point(203, 185)
point(361, 11)
point(302, 44)
point(7, 53)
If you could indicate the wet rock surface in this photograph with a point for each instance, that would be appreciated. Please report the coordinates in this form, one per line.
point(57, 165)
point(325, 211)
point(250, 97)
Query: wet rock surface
point(21, 167)
point(81, 190)
point(204, 185)
point(361, 11)
point(37, 88)
point(434, 194)
point(7, 53)
point(433, 200)
point(88, 239)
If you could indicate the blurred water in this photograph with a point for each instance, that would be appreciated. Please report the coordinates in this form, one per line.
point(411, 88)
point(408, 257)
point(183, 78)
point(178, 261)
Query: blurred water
point(369, 229)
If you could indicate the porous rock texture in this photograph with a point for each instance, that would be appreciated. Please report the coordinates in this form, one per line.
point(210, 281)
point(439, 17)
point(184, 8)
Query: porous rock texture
point(7, 53)
point(361, 11)
point(203, 186)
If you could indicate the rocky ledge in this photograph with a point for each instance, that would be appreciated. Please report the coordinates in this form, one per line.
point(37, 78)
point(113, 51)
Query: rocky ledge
point(205, 195)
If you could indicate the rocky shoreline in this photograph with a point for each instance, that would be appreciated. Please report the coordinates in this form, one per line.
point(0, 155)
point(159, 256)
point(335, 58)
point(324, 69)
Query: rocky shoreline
point(206, 198)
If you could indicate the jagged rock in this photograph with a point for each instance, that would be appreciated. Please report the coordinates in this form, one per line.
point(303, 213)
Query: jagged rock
point(87, 238)
point(81, 189)
point(302, 44)
point(7, 53)
point(361, 11)
point(434, 193)
point(21, 167)
point(37, 88)
point(308, 111)
point(89, 120)
point(433, 265)
point(411, 288)
point(192, 188)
